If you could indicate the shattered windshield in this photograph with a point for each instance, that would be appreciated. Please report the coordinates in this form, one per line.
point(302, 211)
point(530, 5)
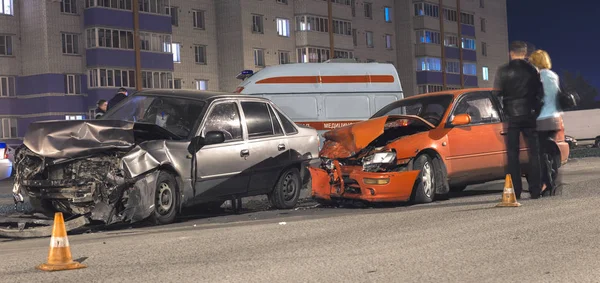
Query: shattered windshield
point(430, 108)
point(177, 115)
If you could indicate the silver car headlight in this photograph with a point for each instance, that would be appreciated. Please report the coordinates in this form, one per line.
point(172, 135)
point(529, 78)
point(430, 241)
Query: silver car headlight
point(375, 160)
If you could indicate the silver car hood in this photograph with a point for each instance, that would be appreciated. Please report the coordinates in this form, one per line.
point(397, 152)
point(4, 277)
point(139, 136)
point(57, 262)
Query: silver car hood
point(77, 138)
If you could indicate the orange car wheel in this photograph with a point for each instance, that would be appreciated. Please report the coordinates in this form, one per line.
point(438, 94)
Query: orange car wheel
point(424, 189)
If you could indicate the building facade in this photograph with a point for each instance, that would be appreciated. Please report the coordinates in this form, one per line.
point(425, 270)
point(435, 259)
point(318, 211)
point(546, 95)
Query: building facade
point(58, 57)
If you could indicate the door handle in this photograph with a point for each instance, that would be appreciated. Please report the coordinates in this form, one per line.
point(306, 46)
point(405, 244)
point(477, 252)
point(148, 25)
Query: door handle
point(244, 153)
point(189, 156)
point(503, 133)
point(281, 147)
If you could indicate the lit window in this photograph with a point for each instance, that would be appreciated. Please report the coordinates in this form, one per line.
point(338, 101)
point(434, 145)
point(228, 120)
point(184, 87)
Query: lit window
point(74, 117)
point(429, 64)
point(485, 71)
point(6, 7)
point(388, 14)
point(426, 36)
point(426, 9)
point(283, 27)
point(468, 43)
point(176, 48)
point(201, 84)
point(470, 69)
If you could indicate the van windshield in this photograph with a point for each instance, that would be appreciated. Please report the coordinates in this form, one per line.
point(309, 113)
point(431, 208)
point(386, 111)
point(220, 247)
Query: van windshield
point(430, 108)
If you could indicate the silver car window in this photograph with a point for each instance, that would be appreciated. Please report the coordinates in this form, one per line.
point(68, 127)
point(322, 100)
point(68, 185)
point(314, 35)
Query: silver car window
point(225, 117)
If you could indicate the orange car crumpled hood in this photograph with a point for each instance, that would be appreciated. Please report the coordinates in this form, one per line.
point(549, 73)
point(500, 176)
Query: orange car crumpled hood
point(347, 141)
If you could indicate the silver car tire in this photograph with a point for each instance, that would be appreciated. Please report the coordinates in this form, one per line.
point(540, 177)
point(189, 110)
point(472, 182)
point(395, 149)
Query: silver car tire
point(286, 193)
point(165, 206)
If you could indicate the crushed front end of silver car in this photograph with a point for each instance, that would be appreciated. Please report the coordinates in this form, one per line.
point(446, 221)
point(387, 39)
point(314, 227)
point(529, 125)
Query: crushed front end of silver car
point(82, 168)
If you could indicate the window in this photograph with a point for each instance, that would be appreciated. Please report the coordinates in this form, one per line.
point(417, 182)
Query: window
point(258, 119)
point(200, 54)
point(282, 1)
point(341, 2)
point(284, 57)
point(368, 10)
point(485, 72)
point(174, 12)
point(387, 12)
point(74, 117)
point(481, 4)
point(426, 36)
point(484, 49)
point(450, 15)
point(8, 127)
point(225, 117)
point(430, 88)
point(112, 38)
point(342, 54)
point(483, 21)
point(312, 23)
point(342, 27)
point(73, 84)
point(283, 27)
point(257, 23)
point(353, 7)
point(480, 107)
point(354, 37)
point(470, 69)
point(429, 64)
point(177, 83)
point(288, 126)
point(6, 7)
point(451, 41)
point(198, 19)
point(453, 67)
point(176, 49)
point(156, 79)
point(121, 4)
point(369, 35)
point(426, 9)
point(467, 19)
point(68, 6)
point(318, 55)
point(150, 6)
point(468, 43)
point(201, 85)
point(7, 86)
point(259, 57)
point(388, 41)
point(118, 78)
point(6, 47)
point(155, 42)
point(70, 43)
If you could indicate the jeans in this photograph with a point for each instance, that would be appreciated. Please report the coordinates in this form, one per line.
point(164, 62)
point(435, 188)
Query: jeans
point(514, 167)
point(551, 184)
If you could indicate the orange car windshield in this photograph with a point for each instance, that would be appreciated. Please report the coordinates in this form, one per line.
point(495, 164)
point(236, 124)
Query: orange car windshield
point(430, 108)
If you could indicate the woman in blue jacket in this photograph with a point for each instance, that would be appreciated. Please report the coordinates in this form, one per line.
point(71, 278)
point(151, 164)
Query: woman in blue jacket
point(548, 123)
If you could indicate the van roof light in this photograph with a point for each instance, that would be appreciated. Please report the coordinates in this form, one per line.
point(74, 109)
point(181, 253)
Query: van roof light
point(244, 74)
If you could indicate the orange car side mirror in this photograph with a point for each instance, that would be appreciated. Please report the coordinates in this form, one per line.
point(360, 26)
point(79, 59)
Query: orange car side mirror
point(461, 119)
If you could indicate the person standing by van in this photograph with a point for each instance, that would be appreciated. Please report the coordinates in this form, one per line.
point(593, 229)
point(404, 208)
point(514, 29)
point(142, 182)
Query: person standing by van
point(121, 94)
point(522, 94)
point(101, 110)
point(548, 122)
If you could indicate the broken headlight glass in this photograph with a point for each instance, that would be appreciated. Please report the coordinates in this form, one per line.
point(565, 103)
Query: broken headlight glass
point(377, 161)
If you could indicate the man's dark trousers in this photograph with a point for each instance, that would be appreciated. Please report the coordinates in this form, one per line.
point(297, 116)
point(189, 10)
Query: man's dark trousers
point(514, 169)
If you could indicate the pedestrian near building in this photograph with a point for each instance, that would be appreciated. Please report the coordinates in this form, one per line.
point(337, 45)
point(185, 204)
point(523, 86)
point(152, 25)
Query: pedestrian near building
point(101, 110)
point(521, 90)
point(121, 94)
point(548, 123)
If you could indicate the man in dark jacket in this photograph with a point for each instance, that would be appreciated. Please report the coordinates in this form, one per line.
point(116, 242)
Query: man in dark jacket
point(102, 107)
point(121, 94)
point(521, 90)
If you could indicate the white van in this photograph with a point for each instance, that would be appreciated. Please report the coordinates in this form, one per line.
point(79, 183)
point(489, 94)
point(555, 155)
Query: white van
point(325, 95)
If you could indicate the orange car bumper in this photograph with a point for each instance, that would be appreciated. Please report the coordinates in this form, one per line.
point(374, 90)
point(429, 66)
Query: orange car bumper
point(359, 185)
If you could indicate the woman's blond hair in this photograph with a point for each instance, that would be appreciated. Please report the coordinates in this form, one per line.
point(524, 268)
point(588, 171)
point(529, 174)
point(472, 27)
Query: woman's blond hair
point(540, 59)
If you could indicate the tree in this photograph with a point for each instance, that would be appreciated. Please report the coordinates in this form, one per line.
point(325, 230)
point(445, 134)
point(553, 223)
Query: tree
point(587, 93)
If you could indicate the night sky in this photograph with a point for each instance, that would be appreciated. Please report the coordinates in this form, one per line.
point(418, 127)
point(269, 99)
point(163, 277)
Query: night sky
point(572, 42)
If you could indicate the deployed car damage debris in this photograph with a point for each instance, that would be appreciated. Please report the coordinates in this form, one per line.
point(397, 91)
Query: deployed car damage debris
point(89, 168)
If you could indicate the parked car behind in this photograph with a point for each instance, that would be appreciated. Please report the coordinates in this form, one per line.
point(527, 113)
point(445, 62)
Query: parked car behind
point(161, 150)
point(6, 165)
point(419, 147)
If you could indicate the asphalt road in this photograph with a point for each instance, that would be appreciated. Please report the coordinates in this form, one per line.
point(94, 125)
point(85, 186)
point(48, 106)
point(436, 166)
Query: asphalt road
point(464, 239)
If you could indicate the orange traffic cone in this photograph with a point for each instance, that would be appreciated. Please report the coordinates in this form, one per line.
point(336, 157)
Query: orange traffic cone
point(59, 256)
point(509, 199)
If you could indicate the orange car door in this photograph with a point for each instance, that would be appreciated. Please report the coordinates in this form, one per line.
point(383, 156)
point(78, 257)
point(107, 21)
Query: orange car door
point(477, 150)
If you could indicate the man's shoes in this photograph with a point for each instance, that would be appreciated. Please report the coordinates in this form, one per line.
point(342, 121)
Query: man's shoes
point(535, 196)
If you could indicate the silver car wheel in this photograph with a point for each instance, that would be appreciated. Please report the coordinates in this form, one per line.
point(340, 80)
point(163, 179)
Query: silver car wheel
point(164, 198)
point(427, 179)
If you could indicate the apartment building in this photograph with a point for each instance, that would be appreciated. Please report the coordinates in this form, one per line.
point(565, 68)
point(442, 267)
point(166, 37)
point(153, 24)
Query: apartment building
point(58, 57)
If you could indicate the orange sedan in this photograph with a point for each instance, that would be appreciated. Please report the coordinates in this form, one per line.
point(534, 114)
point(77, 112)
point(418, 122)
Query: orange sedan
point(422, 146)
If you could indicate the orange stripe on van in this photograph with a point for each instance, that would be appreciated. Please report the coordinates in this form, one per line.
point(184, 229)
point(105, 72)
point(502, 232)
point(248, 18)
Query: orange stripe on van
point(328, 125)
point(328, 79)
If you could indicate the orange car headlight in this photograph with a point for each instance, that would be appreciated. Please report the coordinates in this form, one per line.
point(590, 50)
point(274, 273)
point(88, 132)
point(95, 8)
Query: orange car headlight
point(376, 181)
